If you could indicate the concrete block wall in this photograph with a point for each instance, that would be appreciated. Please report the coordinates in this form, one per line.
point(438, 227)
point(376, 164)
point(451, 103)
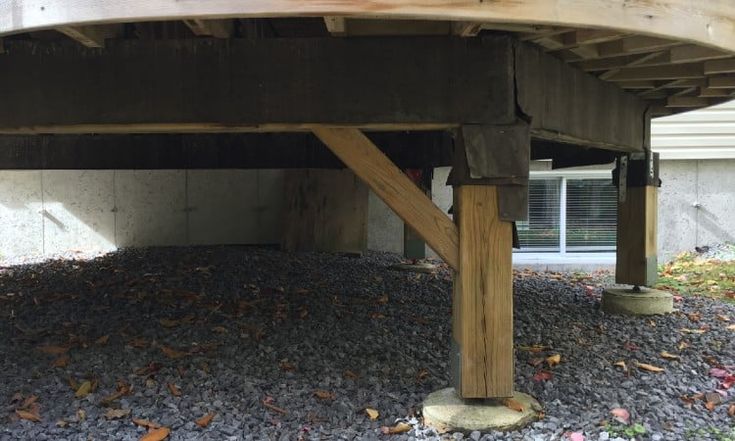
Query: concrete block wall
point(53, 211)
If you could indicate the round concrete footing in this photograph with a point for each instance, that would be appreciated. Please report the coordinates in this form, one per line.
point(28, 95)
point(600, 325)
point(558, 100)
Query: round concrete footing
point(421, 267)
point(629, 302)
point(446, 412)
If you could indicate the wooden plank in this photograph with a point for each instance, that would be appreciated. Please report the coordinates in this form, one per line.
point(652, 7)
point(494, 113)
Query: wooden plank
point(715, 67)
point(211, 28)
point(325, 210)
point(466, 28)
point(705, 21)
point(686, 101)
point(636, 243)
point(336, 25)
point(671, 72)
point(706, 92)
point(332, 81)
point(634, 45)
point(482, 313)
point(690, 53)
point(395, 189)
point(91, 36)
point(721, 82)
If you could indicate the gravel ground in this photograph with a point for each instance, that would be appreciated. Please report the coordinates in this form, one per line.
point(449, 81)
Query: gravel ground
point(285, 347)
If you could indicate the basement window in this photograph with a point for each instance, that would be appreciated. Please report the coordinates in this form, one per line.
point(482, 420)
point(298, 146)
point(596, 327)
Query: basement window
point(570, 214)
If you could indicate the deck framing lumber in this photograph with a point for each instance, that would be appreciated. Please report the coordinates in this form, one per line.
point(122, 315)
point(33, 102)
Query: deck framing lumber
point(395, 189)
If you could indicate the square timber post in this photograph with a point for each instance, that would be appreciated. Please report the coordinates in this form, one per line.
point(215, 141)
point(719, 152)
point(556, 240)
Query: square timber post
point(490, 180)
point(638, 180)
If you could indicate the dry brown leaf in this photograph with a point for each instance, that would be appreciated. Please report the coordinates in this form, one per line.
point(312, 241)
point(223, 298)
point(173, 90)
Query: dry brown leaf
point(172, 353)
point(373, 414)
point(114, 414)
point(533, 348)
point(175, 391)
point(102, 340)
point(731, 328)
point(722, 318)
point(383, 299)
point(553, 360)
point(731, 410)
point(84, 389)
point(219, 330)
point(30, 416)
point(324, 395)
point(510, 403)
point(422, 375)
point(156, 434)
point(53, 350)
point(62, 361)
point(205, 420)
point(649, 367)
point(168, 323)
point(285, 365)
point(62, 424)
point(139, 343)
point(669, 356)
point(683, 345)
point(398, 428)
point(145, 423)
point(351, 375)
point(621, 364)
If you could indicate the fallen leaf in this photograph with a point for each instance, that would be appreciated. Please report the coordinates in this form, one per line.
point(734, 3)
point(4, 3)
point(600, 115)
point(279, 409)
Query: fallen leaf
point(113, 414)
point(168, 323)
point(693, 331)
point(722, 318)
point(621, 364)
point(175, 391)
point(553, 360)
point(731, 328)
point(324, 395)
point(268, 402)
point(139, 343)
point(649, 367)
point(84, 389)
point(146, 423)
point(351, 375)
point(53, 350)
point(669, 356)
point(62, 423)
point(683, 345)
point(535, 361)
point(172, 353)
point(156, 434)
point(620, 414)
point(543, 376)
point(62, 361)
point(28, 416)
point(219, 329)
point(422, 375)
point(533, 348)
point(383, 299)
point(398, 428)
point(576, 436)
point(731, 410)
point(286, 366)
point(510, 403)
point(205, 420)
point(102, 340)
point(374, 414)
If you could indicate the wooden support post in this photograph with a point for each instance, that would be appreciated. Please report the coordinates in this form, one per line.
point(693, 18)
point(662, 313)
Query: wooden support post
point(482, 320)
point(636, 262)
point(326, 210)
point(394, 188)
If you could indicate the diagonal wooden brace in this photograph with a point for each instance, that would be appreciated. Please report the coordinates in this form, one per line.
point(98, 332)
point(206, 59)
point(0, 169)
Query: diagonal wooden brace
point(395, 189)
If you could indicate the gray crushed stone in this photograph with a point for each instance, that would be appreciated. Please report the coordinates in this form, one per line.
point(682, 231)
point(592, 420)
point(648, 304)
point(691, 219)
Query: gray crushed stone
point(260, 325)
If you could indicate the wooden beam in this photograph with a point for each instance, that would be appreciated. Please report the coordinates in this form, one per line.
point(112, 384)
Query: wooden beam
point(686, 101)
point(636, 262)
point(705, 21)
point(482, 310)
point(211, 28)
point(336, 25)
point(690, 53)
point(706, 92)
point(721, 82)
point(672, 72)
point(395, 189)
point(466, 28)
point(634, 45)
point(330, 81)
point(325, 210)
point(715, 67)
point(91, 36)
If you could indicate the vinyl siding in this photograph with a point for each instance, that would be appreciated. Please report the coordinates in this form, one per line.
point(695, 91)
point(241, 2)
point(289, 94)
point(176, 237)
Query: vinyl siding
point(702, 134)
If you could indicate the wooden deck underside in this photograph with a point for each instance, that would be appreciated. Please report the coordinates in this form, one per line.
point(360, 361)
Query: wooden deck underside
point(677, 54)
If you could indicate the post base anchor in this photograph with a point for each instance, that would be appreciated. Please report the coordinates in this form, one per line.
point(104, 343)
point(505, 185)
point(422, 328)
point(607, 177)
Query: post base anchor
point(644, 301)
point(445, 411)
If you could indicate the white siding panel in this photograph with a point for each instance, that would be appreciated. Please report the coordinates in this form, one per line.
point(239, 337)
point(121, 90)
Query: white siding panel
point(702, 134)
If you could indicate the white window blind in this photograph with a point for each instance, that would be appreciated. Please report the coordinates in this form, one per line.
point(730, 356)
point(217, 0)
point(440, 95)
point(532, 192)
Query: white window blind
point(541, 231)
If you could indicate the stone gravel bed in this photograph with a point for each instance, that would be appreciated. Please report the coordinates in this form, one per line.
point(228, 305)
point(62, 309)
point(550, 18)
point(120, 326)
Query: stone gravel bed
point(279, 346)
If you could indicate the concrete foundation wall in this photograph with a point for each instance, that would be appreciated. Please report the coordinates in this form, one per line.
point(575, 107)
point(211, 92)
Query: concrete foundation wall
point(54, 211)
point(696, 205)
